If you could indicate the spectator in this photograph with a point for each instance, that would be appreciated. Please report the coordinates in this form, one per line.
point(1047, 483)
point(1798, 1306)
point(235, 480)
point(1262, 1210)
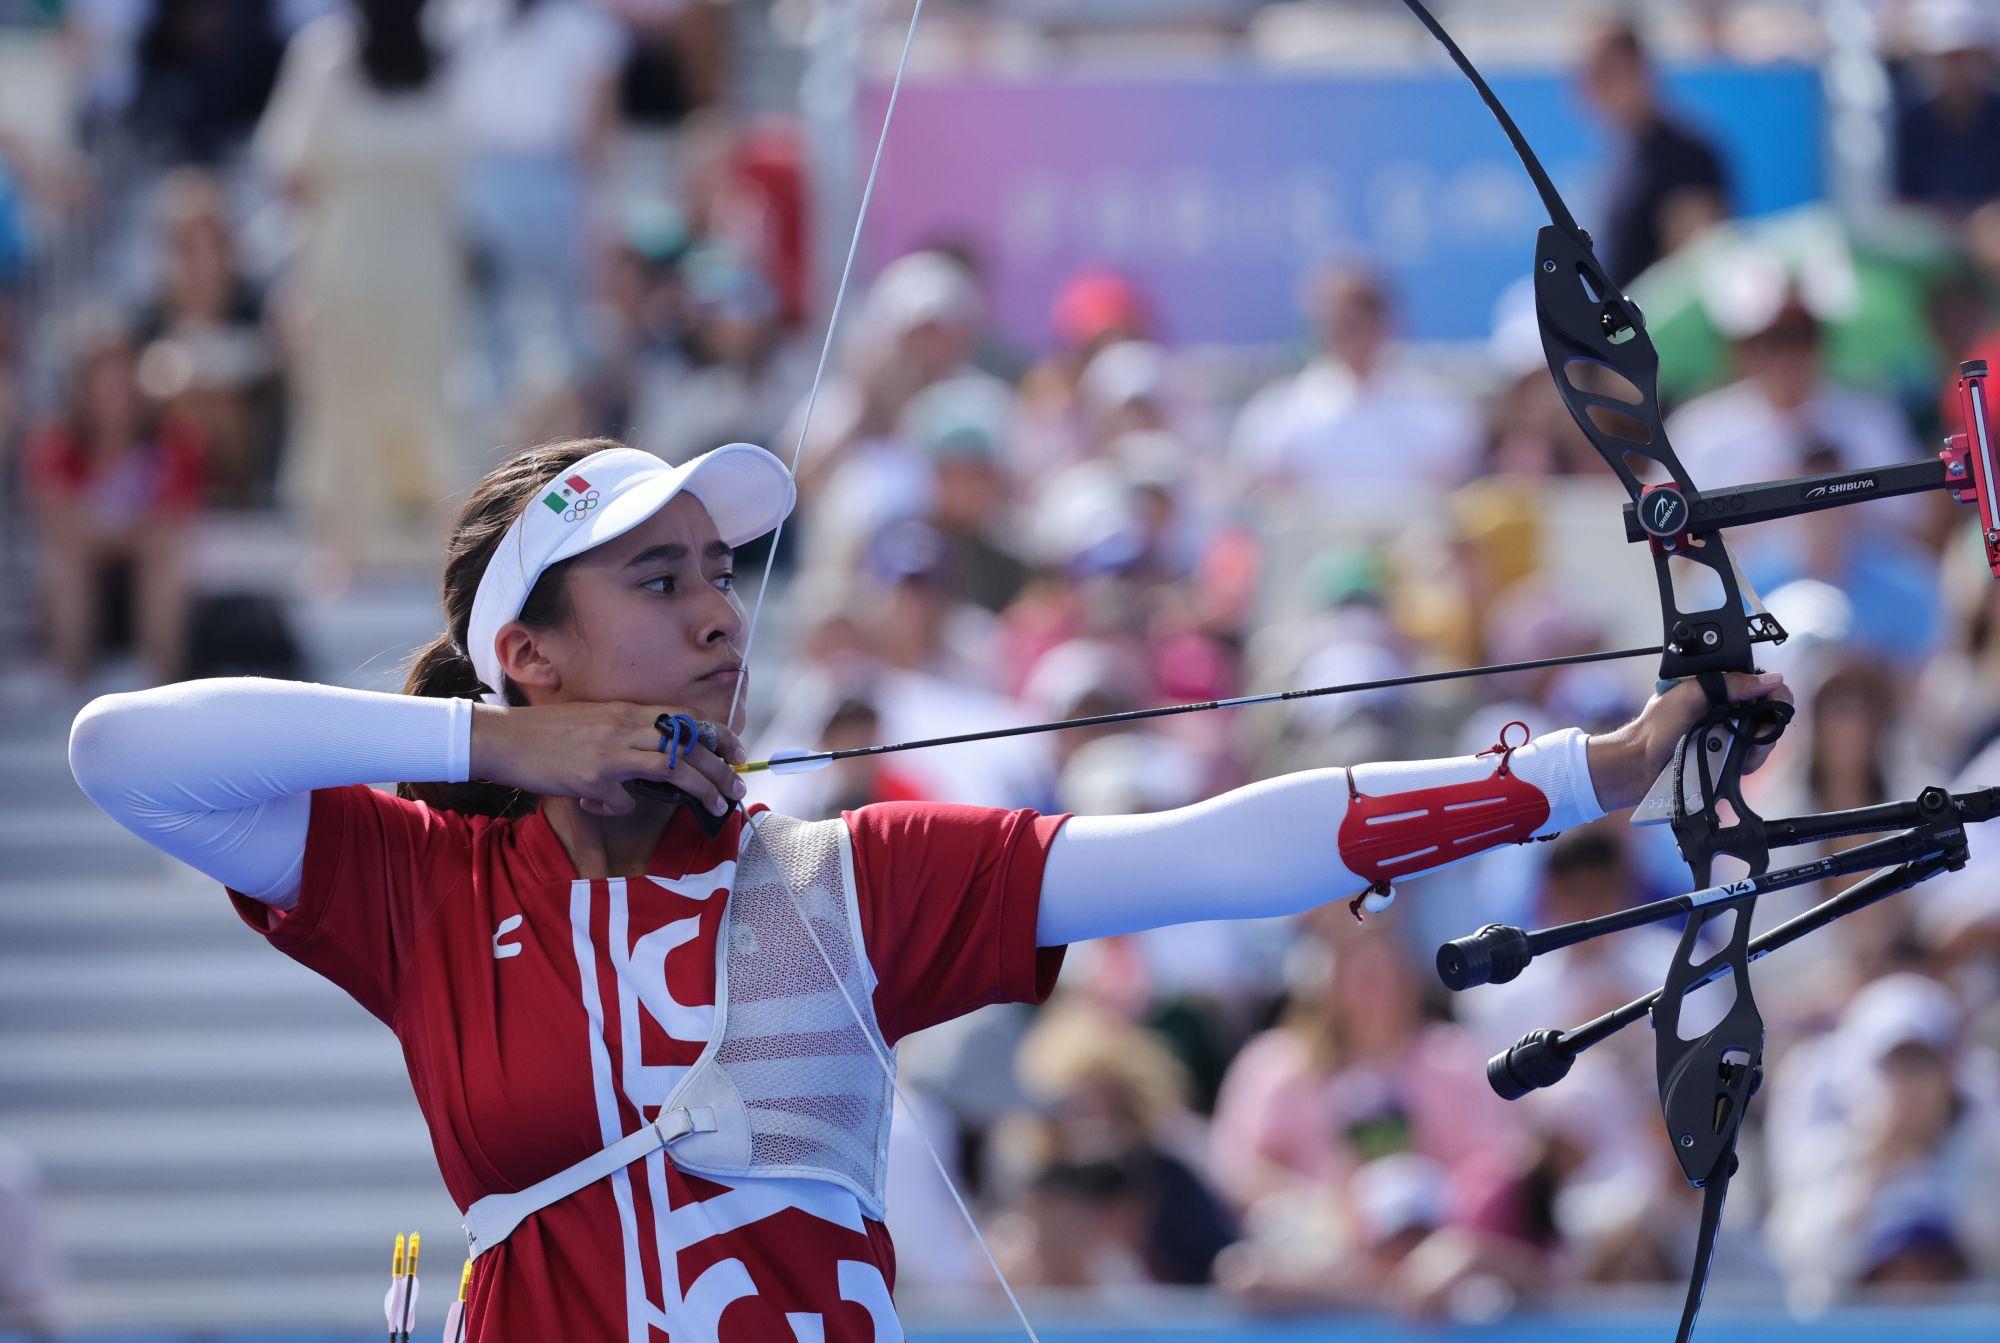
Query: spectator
point(934, 1247)
point(864, 780)
point(534, 103)
point(1781, 410)
point(357, 133)
point(13, 221)
point(1115, 1151)
point(918, 328)
point(846, 652)
point(639, 327)
point(112, 482)
point(677, 63)
point(1094, 310)
point(915, 620)
point(1388, 1244)
point(744, 371)
point(102, 38)
point(1670, 183)
point(13, 276)
point(1850, 736)
point(1077, 1226)
point(1127, 388)
point(205, 69)
point(960, 426)
point(1886, 1135)
point(204, 345)
point(1355, 1071)
point(1887, 578)
point(1359, 423)
point(1945, 137)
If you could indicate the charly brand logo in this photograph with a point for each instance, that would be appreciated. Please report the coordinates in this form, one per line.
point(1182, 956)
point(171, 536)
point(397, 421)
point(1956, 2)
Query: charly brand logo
point(571, 499)
point(1857, 485)
point(502, 950)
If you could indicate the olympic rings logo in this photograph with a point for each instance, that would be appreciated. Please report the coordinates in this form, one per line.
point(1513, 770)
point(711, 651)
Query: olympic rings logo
point(579, 506)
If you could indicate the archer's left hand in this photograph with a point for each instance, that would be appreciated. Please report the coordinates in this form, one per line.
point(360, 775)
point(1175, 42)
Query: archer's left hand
point(1624, 763)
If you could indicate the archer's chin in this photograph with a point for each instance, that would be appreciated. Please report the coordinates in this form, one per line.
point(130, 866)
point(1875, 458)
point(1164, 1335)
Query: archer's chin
point(712, 697)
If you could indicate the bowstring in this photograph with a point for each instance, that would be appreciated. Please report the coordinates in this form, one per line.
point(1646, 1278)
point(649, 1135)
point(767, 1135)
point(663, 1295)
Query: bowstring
point(888, 1065)
point(875, 1045)
point(826, 345)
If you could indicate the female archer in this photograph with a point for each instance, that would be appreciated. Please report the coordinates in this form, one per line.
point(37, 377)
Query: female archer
point(649, 1030)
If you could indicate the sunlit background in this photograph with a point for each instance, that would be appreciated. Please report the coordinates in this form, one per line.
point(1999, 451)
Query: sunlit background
point(1190, 353)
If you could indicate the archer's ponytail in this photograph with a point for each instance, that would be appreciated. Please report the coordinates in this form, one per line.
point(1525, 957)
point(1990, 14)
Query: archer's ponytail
point(442, 669)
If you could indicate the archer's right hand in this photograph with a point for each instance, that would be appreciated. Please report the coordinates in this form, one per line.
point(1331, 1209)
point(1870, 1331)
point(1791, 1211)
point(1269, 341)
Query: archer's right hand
point(590, 751)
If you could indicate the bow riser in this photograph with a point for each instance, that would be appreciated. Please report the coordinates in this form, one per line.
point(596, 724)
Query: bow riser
point(1607, 372)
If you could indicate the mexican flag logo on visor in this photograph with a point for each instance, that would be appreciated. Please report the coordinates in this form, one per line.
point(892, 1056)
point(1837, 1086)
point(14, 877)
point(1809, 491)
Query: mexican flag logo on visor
point(571, 498)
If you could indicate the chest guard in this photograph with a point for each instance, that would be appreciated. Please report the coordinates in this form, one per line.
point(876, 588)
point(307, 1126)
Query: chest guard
point(791, 1083)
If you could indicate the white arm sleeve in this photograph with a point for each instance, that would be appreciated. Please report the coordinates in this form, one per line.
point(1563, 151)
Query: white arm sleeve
point(1266, 849)
point(220, 773)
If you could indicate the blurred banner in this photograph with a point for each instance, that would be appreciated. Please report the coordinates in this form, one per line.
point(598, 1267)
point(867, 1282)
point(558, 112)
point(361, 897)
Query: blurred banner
point(1217, 193)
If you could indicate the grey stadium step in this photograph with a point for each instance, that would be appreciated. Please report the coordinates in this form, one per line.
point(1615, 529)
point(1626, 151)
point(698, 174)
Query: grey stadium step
point(119, 1069)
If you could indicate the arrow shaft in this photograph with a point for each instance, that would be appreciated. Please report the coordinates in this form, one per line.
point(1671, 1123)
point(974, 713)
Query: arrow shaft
point(818, 758)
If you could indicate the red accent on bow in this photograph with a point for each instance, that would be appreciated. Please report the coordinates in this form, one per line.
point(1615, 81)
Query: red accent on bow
point(1966, 456)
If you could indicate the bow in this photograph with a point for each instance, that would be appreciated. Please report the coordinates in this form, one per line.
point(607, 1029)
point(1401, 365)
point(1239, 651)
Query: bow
point(1606, 370)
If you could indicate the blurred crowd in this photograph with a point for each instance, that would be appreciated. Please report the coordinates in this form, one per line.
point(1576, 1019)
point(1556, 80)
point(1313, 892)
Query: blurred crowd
point(348, 250)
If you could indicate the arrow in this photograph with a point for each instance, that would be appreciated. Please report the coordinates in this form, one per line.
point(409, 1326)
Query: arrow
point(797, 760)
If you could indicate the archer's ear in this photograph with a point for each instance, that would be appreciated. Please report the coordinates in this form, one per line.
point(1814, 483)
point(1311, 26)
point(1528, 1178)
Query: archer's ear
point(524, 658)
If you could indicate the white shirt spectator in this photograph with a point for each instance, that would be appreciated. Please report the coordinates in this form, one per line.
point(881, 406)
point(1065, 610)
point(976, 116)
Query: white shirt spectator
point(1735, 435)
point(527, 83)
point(1340, 434)
point(1842, 1176)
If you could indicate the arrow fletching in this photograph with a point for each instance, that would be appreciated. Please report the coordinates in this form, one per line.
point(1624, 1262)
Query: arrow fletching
point(792, 760)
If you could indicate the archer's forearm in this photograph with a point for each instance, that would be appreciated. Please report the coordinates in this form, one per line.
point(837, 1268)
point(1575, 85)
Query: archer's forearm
point(1267, 849)
point(218, 773)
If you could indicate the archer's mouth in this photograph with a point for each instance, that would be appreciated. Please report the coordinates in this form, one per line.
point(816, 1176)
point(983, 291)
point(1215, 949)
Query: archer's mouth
point(727, 674)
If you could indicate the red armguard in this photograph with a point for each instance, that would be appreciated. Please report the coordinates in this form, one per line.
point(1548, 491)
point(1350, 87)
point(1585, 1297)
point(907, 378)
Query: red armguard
point(1384, 839)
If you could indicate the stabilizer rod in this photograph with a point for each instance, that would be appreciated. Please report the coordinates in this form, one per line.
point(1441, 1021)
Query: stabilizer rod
point(1542, 1058)
point(1498, 952)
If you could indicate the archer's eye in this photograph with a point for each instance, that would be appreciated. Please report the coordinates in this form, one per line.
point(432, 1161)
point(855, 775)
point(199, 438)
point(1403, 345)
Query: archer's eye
point(666, 582)
point(725, 582)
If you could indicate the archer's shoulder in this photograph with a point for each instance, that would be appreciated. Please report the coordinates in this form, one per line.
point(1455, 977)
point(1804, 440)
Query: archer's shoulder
point(381, 806)
point(926, 835)
point(919, 816)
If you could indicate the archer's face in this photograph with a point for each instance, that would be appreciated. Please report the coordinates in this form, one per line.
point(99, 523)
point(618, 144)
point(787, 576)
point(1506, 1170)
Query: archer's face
point(654, 618)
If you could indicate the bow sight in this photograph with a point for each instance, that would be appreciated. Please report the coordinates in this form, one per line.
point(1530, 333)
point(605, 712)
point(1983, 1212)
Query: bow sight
point(1607, 372)
point(1667, 516)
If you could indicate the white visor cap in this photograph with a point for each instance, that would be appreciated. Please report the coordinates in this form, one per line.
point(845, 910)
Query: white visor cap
point(745, 489)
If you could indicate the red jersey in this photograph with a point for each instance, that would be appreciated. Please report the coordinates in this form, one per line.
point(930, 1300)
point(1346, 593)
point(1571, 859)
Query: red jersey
point(162, 475)
point(543, 1015)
